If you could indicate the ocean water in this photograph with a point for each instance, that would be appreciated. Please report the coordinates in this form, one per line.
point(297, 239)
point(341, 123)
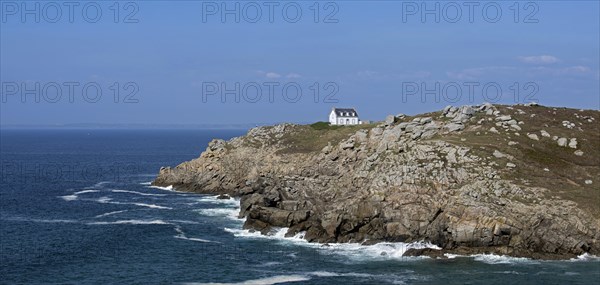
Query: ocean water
point(76, 207)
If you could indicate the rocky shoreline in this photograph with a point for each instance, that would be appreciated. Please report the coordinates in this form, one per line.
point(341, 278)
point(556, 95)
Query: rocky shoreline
point(510, 180)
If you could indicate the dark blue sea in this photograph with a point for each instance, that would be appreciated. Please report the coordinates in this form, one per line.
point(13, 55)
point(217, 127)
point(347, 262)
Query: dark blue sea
point(76, 207)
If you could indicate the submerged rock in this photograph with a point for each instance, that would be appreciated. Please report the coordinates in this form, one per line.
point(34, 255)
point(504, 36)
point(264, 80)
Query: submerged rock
point(223, 197)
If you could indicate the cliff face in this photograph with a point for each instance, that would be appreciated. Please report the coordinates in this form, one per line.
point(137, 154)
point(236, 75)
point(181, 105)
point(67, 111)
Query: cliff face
point(516, 180)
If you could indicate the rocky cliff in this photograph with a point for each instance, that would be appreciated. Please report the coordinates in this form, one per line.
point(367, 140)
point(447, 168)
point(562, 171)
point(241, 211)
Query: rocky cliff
point(517, 180)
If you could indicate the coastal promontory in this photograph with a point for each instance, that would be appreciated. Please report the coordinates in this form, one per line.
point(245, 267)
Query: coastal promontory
point(519, 180)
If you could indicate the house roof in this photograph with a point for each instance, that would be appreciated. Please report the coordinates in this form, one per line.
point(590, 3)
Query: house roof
point(345, 112)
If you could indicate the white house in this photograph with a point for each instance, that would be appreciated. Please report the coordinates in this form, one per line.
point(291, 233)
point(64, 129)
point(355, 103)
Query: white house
point(343, 116)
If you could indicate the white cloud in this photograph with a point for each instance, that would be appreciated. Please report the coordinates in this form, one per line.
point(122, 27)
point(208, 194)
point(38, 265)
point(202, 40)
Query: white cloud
point(577, 69)
point(272, 75)
point(539, 59)
point(275, 75)
point(570, 70)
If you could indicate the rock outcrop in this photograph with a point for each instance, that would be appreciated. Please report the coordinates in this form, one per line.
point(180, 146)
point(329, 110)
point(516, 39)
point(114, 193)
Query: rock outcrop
point(464, 179)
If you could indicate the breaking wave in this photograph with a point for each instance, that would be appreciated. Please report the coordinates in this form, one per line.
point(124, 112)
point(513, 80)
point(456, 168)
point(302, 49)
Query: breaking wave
point(108, 200)
point(168, 188)
point(21, 219)
point(586, 257)
point(74, 196)
point(501, 259)
point(181, 235)
point(231, 214)
point(354, 251)
point(263, 281)
point(132, 222)
point(137, 193)
point(110, 213)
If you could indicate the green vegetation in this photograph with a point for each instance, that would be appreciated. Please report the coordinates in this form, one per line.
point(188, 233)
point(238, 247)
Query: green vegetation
point(323, 126)
point(314, 137)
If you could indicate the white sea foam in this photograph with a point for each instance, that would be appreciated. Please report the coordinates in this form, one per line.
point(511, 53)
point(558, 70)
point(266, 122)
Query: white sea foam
point(229, 208)
point(179, 230)
point(355, 251)
point(279, 234)
point(494, 259)
point(400, 277)
point(378, 251)
point(21, 219)
point(586, 257)
point(263, 281)
point(193, 239)
point(99, 184)
point(137, 193)
point(509, 272)
point(110, 213)
point(146, 183)
point(184, 222)
point(181, 235)
point(231, 214)
point(103, 200)
point(66, 221)
point(214, 200)
point(132, 222)
point(69, 197)
point(338, 274)
point(74, 196)
point(270, 263)
point(108, 200)
point(325, 274)
point(85, 191)
point(153, 206)
point(168, 188)
point(502, 259)
point(174, 223)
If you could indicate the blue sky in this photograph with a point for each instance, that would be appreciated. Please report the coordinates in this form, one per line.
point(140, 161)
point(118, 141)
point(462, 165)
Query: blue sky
point(369, 59)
